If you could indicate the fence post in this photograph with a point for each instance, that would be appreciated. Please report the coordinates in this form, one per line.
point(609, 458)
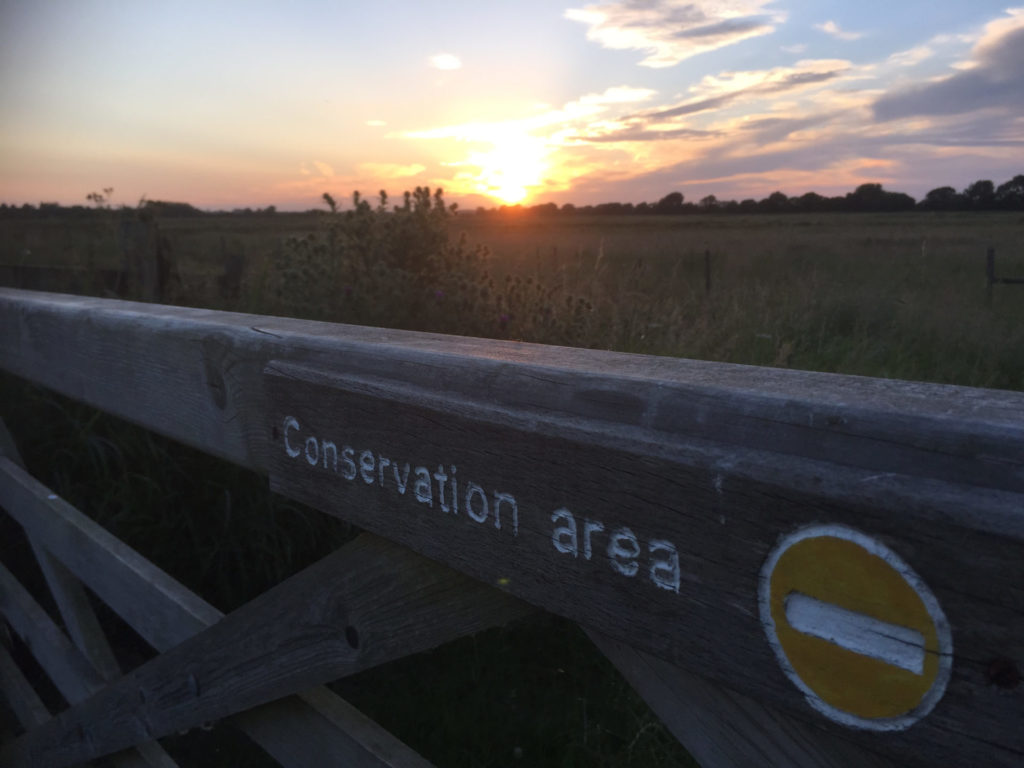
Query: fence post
point(140, 270)
point(990, 272)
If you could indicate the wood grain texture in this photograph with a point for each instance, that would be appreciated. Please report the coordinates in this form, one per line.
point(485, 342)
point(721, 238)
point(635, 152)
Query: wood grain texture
point(195, 375)
point(368, 603)
point(722, 460)
point(77, 614)
point(723, 729)
point(721, 509)
point(65, 665)
point(19, 693)
point(305, 731)
point(162, 611)
point(72, 602)
point(344, 736)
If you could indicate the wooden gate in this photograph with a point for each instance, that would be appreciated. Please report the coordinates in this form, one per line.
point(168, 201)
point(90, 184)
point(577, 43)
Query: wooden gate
point(792, 568)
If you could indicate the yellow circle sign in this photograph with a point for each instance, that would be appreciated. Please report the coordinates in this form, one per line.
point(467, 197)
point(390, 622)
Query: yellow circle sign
point(855, 628)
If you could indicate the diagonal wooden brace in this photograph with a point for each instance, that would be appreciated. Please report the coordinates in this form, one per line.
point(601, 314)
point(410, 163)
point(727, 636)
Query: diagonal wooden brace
point(368, 603)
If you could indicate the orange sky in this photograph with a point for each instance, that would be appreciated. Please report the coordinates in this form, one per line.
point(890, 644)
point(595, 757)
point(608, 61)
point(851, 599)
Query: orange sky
point(252, 104)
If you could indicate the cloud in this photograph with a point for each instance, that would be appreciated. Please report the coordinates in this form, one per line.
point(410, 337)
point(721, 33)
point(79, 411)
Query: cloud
point(641, 133)
point(831, 28)
point(670, 31)
point(445, 61)
point(619, 94)
point(797, 48)
point(771, 129)
point(991, 81)
point(323, 168)
point(719, 91)
point(579, 112)
point(376, 123)
point(390, 170)
point(911, 57)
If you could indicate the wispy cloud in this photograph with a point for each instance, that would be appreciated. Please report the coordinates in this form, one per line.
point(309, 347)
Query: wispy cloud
point(911, 57)
point(831, 28)
point(376, 123)
point(319, 168)
point(390, 170)
point(591, 106)
point(445, 61)
point(670, 31)
point(991, 79)
point(717, 91)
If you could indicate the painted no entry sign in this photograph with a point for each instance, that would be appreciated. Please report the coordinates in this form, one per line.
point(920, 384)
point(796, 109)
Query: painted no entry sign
point(855, 628)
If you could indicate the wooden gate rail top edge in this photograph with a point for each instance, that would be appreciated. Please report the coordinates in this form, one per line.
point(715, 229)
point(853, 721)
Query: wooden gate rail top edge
point(907, 495)
point(924, 428)
point(846, 391)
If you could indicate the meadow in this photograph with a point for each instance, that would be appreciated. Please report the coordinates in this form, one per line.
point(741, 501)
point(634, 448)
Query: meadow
point(892, 295)
point(900, 295)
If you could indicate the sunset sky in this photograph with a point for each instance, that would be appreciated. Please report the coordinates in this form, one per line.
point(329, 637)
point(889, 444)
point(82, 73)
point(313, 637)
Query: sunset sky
point(232, 104)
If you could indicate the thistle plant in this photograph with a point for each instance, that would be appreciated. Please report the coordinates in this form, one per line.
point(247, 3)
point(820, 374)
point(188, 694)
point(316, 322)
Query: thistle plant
point(402, 266)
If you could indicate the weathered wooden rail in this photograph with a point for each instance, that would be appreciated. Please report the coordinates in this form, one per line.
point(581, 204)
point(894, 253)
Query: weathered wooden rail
point(792, 568)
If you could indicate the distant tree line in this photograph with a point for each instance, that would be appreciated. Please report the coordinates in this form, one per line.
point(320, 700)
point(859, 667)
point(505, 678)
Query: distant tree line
point(101, 204)
point(982, 195)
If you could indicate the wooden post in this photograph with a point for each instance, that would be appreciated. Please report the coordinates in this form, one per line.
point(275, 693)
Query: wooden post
point(229, 284)
point(990, 272)
point(141, 273)
point(707, 271)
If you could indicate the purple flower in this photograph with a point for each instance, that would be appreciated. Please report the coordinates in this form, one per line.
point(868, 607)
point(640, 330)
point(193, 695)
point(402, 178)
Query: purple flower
point(503, 321)
point(438, 294)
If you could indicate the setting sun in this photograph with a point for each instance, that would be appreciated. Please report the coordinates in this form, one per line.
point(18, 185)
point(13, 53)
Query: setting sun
point(509, 171)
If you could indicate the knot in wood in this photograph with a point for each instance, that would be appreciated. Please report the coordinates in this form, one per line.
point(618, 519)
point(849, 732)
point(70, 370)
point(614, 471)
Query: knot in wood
point(215, 383)
point(1003, 673)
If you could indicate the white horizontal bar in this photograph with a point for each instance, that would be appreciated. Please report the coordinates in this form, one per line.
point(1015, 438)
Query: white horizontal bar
point(857, 632)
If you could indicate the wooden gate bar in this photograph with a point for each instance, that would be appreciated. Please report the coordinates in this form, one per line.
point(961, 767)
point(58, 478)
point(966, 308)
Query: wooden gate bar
point(719, 727)
point(73, 675)
point(72, 602)
point(346, 613)
point(848, 549)
point(31, 712)
point(156, 606)
point(302, 731)
point(19, 693)
point(129, 583)
point(299, 731)
point(88, 637)
point(70, 671)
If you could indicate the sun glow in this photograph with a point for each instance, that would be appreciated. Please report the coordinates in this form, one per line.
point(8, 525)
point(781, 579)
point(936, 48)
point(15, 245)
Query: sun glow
point(511, 170)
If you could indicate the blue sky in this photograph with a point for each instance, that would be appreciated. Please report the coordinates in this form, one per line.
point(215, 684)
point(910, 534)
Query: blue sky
point(228, 104)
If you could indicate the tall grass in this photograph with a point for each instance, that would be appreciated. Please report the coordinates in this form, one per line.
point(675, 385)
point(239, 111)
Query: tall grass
point(876, 295)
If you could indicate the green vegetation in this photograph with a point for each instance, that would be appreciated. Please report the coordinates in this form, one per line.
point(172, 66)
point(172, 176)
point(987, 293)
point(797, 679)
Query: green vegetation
point(897, 294)
point(890, 295)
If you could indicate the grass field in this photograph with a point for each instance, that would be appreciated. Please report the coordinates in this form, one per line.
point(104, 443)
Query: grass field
point(900, 296)
point(893, 295)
